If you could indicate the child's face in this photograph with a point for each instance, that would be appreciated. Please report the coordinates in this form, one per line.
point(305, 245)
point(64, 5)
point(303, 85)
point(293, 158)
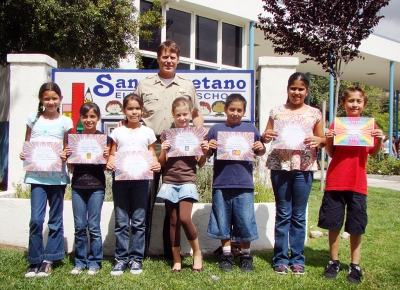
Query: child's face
point(51, 101)
point(354, 104)
point(297, 92)
point(234, 113)
point(182, 116)
point(89, 120)
point(133, 111)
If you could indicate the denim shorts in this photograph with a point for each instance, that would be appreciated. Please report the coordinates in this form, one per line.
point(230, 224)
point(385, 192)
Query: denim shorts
point(177, 192)
point(232, 215)
point(332, 211)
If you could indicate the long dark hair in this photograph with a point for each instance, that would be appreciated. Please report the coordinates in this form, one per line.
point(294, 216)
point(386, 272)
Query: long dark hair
point(50, 86)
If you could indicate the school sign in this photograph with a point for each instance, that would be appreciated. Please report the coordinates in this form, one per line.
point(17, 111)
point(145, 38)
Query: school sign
point(107, 89)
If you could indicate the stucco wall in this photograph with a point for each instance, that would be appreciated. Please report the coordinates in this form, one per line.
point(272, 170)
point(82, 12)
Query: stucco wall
point(15, 215)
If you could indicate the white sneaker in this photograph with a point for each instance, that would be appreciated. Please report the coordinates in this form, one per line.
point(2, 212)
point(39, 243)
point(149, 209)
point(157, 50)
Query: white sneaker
point(76, 271)
point(93, 271)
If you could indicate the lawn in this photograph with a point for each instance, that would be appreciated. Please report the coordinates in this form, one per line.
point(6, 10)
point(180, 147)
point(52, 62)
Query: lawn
point(379, 261)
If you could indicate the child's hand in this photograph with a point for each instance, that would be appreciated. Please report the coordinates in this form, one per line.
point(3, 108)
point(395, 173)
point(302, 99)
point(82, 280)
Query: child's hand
point(330, 134)
point(166, 145)
point(268, 135)
point(106, 152)
point(213, 144)
point(63, 156)
point(313, 141)
point(22, 156)
point(378, 133)
point(67, 151)
point(156, 167)
point(110, 165)
point(258, 146)
point(205, 146)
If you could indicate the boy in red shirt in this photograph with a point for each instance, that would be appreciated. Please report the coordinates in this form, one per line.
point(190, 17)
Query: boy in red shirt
point(346, 185)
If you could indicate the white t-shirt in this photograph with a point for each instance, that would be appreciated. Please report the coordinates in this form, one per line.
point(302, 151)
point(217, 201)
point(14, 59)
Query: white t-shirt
point(133, 139)
point(48, 131)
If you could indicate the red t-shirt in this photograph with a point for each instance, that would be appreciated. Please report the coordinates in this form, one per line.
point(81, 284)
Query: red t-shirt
point(347, 170)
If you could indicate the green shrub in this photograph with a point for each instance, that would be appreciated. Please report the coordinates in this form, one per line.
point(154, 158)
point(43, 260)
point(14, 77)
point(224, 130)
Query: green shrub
point(383, 165)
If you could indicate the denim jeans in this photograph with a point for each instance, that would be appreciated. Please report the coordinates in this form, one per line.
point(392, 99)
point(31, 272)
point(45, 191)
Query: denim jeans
point(54, 249)
point(131, 199)
point(291, 190)
point(232, 215)
point(86, 205)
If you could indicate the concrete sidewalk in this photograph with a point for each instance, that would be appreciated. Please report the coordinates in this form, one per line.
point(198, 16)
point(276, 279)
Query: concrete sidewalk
point(382, 181)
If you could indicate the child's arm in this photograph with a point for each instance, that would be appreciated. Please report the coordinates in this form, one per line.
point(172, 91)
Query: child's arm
point(212, 145)
point(259, 148)
point(201, 160)
point(67, 151)
point(27, 138)
point(318, 139)
point(330, 149)
point(110, 162)
point(165, 145)
point(269, 132)
point(156, 167)
point(106, 155)
point(377, 133)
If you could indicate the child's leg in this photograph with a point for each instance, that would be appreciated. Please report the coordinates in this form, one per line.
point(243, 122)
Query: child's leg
point(54, 249)
point(174, 233)
point(38, 211)
point(185, 217)
point(334, 241)
point(79, 208)
point(355, 248)
point(95, 205)
point(121, 197)
point(139, 199)
point(301, 187)
point(282, 186)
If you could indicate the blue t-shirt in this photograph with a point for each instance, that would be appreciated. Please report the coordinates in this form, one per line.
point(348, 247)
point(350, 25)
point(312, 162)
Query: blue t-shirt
point(232, 173)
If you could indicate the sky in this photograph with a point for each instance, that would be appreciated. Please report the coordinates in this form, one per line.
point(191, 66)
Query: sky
point(390, 25)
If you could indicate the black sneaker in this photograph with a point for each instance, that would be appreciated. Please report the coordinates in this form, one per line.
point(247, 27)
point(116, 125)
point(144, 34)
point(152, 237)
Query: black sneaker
point(355, 274)
point(246, 263)
point(226, 262)
point(281, 269)
point(32, 271)
point(119, 268)
point(332, 269)
point(45, 269)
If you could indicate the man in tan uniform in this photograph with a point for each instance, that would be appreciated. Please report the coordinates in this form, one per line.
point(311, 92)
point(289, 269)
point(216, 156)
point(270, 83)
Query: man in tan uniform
point(158, 92)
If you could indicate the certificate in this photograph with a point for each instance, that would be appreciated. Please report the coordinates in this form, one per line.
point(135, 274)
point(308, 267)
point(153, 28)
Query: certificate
point(235, 146)
point(292, 133)
point(184, 142)
point(133, 165)
point(353, 131)
point(87, 148)
point(42, 156)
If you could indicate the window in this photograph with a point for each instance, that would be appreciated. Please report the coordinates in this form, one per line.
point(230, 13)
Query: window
point(231, 45)
point(144, 45)
point(206, 39)
point(205, 43)
point(178, 30)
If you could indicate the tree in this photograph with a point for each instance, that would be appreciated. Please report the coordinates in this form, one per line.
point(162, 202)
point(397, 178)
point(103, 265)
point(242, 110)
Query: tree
point(86, 33)
point(327, 32)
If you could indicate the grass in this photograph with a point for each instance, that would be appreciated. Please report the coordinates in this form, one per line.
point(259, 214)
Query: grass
point(379, 262)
